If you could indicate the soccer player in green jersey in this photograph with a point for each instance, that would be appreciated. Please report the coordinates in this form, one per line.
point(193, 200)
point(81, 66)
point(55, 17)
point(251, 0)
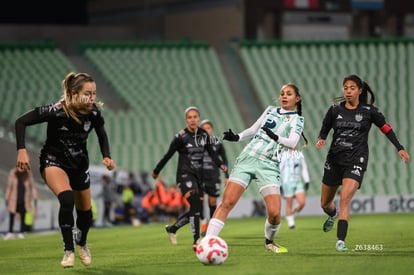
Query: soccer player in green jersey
point(276, 130)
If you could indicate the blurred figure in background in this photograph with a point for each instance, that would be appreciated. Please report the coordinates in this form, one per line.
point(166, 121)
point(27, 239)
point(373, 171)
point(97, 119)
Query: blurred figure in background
point(190, 143)
point(108, 194)
point(155, 202)
point(19, 194)
point(293, 169)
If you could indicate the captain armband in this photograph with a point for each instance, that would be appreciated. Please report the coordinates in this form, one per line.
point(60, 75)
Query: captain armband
point(386, 128)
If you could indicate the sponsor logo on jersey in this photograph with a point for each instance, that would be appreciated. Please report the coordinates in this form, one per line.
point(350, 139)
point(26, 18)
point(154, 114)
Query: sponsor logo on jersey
point(63, 128)
point(339, 117)
point(189, 145)
point(359, 117)
point(270, 124)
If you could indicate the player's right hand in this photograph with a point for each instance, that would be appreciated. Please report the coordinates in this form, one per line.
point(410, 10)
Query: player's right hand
point(230, 136)
point(154, 175)
point(23, 160)
point(320, 143)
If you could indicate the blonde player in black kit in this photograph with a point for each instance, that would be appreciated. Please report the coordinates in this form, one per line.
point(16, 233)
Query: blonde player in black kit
point(64, 160)
point(190, 143)
point(351, 119)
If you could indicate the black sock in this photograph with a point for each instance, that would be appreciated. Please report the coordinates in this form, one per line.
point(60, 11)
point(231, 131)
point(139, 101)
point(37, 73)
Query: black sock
point(267, 241)
point(342, 229)
point(83, 222)
point(181, 221)
point(330, 213)
point(65, 216)
point(212, 210)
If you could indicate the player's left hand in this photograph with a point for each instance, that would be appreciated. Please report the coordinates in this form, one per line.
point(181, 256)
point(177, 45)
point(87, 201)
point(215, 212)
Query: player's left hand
point(270, 133)
point(306, 186)
point(404, 156)
point(223, 167)
point(109, 163)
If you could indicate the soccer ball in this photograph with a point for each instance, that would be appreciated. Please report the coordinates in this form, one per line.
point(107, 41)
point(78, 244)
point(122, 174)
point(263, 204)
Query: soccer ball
point(212, 250)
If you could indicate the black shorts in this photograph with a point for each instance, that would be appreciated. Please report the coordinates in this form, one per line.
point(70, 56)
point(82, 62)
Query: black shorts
point(334, 174)
point(212, 188)
point(189, 182)
point(79, 178)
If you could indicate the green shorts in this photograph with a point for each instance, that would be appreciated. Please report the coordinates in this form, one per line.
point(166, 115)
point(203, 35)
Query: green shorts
point(247, 168)
point(290, 188)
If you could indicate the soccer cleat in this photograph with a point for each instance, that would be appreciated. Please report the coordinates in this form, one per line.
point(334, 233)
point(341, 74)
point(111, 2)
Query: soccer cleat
point(68, 259)
point(8, 236)
point(195, 244)
point(20, 236)
point(84, 255)
point(340, 246)
point(329, 223)
point(275, 248)
point(172, 235)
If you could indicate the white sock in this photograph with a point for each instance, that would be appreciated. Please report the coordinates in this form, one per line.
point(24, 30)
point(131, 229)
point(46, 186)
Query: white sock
point(290, 220)
point(271, 230)
point(214, 227)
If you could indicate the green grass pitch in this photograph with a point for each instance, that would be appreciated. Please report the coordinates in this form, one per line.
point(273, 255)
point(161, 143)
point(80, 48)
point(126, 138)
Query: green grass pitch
point(146, 249)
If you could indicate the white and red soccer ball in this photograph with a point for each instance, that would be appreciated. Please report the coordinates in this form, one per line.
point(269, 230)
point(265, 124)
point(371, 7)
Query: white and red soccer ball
point(212, 250)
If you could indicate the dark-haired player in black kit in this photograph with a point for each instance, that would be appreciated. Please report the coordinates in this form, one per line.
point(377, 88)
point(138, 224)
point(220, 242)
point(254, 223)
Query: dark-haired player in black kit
point(351, 119)
point(64, 160)
point(190, 143)
point(211, 175)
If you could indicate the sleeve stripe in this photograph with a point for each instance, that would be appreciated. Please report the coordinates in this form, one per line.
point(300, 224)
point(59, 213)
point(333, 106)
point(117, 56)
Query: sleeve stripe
point(386, 128)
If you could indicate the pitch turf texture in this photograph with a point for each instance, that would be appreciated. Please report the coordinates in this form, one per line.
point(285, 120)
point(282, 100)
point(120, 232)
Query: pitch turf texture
point(382, 244)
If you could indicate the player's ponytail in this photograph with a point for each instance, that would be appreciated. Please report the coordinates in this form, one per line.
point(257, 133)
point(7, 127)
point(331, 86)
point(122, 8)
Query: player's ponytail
point(298, 106)
point(363, 97)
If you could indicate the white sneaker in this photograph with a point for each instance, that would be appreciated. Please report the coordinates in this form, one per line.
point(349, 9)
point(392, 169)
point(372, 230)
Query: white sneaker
point(20, 236)
point(8, 236)
point(68, 259)
point(84, 255)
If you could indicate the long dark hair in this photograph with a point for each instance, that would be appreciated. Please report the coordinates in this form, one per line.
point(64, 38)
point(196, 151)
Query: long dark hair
point(298, 105)
point(363, 97)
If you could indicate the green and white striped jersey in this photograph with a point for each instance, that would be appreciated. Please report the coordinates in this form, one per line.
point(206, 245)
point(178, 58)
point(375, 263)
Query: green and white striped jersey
point(288, 125)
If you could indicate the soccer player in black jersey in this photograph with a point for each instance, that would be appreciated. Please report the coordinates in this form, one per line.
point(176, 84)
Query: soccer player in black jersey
point(64, 160)
point(351, 119)
point(211, 175)
point(190, 143)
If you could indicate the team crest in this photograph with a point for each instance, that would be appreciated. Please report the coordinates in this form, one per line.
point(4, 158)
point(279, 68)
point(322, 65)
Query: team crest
point(358, 117)
point(87, 125)
point(286, 118)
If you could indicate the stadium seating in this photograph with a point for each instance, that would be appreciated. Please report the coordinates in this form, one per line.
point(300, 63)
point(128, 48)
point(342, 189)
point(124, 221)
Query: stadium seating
point(318, 69)
point(31, 76)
